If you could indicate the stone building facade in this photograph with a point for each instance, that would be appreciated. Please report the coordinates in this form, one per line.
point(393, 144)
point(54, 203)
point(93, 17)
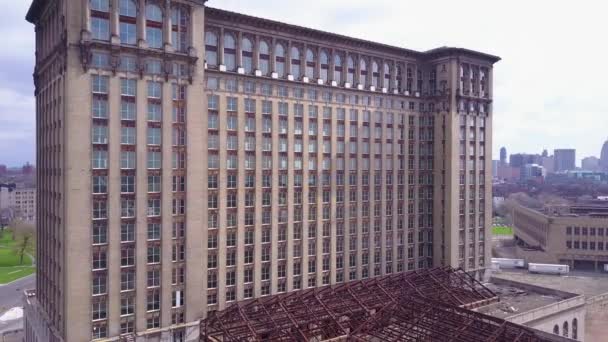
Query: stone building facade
point(190, 158)
point(573, 235)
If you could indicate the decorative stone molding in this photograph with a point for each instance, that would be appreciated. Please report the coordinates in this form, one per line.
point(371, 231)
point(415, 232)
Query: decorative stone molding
point(240, 70)
point(258, 73)
point(222, 67)
point(305, 79)
point(347, 85)
point(334, 83)
point(274, 75)
point(290, 77)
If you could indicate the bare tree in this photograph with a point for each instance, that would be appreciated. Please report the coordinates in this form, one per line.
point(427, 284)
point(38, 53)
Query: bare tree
point(23, 235)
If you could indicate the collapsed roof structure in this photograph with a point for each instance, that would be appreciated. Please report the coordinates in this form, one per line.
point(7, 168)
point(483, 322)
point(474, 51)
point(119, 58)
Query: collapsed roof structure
point(422, 305)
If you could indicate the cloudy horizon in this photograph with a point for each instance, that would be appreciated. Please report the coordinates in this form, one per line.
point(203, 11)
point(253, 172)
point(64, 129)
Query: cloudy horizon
point(548, 86)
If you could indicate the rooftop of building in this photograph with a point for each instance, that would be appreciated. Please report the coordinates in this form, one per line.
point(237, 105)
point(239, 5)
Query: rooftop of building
point(576, 282)
point(428, 304)
point(516, 297)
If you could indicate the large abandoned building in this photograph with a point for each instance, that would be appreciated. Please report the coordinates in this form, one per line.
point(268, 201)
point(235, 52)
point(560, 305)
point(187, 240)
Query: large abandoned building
point(190, 158)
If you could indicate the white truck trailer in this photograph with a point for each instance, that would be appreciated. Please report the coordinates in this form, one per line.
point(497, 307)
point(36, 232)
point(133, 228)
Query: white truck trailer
point(548, 269)
point(509, 263)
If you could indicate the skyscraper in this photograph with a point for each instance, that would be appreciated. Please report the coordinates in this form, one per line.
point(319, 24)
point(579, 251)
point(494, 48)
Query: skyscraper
point(565, 159)
point(190, 157)
point(604, 157)
point(503, 156)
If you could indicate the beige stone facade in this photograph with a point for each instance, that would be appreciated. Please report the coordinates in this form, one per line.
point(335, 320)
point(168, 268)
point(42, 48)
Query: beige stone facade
point(577, 236)
point(190, 157)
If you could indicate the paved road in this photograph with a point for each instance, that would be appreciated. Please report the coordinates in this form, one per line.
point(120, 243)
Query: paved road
point(11, 296)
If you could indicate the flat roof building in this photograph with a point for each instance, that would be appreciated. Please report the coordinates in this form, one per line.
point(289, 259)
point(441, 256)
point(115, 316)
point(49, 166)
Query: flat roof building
point(564, 159)
point(576, 235)
point(189, 158)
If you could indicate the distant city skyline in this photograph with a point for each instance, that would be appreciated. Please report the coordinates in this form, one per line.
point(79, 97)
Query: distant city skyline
point(539, 103)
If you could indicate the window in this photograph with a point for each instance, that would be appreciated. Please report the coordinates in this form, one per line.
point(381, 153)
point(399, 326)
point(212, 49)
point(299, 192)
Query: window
point(387, 76)
point(98, 308)
point(279, 54)
point(127, 135)
point(229, 52)
point(338, 69)
point(375, 75)
point(99, 159)
point(127, 160)
point(211, 49)
point(100, 184)
point(295, 63)
point(350, 72)
point(100, 233)
point(154, 207)
point(363, 72)
point(310, 64)
point(99, 260)
point(179, 30)
point(154, 136)
point(154, 160)
point(99, 284)
point(127, 184)
point(153, 254)
point(264, 58)
point(154, 231)
point(154, 26)
point(100, 19)
point(324, 66)
point(127, 256)
point(128, 28)
point(127, 232)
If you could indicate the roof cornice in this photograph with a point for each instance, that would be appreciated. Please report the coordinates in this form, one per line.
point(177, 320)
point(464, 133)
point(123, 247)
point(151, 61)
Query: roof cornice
point(234, 17)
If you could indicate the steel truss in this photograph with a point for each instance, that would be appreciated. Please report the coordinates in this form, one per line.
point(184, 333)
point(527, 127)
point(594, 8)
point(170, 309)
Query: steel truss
point(423, 305)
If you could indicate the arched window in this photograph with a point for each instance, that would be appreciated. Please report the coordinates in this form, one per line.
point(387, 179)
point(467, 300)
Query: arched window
point(247, 55)
point(338, 68)
point(565, 329)
point(575, 329)
point(211, 48)
point(229, 52)
point(279, 58)
point(154, 26)
point(556, 329)
point(433, 81)
point(375, 75)
point(128, 22)
point(399, 78)
point(410, 80)
point(324, 66)
point(387, 76)
point(100, 19)
point(295, 62)
point(363, 75)
point(264, 59)
point(180, 17)
point(350, 75)
point(310, 64)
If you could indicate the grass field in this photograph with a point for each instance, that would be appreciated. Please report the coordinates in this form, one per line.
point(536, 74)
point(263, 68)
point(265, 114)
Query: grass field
point(502, 230)
point(10, 268)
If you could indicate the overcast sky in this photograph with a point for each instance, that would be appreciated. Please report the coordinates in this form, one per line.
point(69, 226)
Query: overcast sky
point(550, 88)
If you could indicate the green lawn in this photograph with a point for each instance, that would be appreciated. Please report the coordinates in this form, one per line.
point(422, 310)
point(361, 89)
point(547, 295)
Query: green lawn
point(10, 268)
point(9, 274)
point(502, 230)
